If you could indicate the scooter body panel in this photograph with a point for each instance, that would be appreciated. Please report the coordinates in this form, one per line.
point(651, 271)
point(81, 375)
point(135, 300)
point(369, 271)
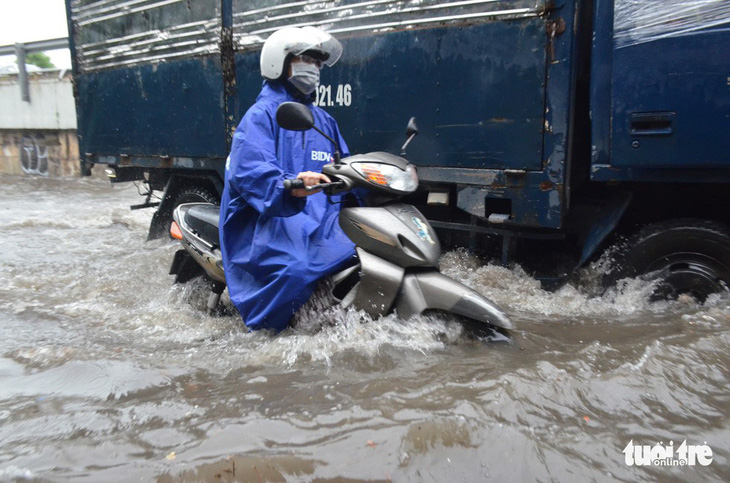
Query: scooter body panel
point(431, 290)
point(384, 286)
point(206, 254)
point(398, 233)
point(379, 283)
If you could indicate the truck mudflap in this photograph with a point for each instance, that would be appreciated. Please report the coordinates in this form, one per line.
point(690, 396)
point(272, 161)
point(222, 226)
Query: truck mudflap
point(434, 291)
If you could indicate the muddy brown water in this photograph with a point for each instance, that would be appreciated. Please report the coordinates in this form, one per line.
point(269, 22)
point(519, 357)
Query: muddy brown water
point(108, 372)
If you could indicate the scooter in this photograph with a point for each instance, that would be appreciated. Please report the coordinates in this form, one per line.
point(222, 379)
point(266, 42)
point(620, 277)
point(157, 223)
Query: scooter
point(397, 248)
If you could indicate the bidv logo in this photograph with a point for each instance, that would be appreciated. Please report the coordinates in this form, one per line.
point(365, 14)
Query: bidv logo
point(321, 156)
point(660, 455)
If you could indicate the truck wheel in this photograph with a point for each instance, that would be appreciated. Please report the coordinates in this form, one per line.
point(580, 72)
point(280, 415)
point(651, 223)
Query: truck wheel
point(191, 194)
point(688, 256)
point(194, 194)
point(162, 218)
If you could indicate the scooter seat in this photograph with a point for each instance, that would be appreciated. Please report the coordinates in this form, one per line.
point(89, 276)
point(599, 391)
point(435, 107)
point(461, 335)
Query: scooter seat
point(204, 220)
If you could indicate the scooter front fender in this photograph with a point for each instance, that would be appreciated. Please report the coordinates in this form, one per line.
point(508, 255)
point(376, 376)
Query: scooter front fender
point(432, 290)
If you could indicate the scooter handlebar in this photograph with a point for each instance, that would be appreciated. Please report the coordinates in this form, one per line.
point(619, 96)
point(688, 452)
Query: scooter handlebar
point(293, 184)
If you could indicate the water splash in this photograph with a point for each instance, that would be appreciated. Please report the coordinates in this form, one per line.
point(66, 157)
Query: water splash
point(518, 293)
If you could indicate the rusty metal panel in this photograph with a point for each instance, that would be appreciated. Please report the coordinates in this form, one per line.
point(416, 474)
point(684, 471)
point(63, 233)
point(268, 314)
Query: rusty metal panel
point(113, 34)
point(254, 21)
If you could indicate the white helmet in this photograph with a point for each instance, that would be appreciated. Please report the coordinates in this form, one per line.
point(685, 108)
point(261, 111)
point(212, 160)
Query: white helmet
point(295, 41)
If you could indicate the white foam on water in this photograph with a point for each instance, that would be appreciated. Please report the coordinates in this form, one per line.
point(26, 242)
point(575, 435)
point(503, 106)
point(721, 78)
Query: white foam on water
point(14, 473)
point(519, 293)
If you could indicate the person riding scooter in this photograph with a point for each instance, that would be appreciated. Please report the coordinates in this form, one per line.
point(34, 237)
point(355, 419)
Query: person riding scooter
point(277, 244)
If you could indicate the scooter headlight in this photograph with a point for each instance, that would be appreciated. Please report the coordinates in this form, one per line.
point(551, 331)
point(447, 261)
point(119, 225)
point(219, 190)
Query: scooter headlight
point(388, 176)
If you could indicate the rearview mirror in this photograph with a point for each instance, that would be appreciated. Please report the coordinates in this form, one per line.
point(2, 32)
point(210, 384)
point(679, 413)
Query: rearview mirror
point(411, 131)
point(294, 116)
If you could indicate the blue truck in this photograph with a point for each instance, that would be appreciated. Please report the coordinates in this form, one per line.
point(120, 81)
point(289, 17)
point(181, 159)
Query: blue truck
point(549, 129)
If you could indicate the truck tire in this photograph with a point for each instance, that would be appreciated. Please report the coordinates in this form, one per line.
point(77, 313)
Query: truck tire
point(162, 219)
point(688, 256)
point(191, 194)
point(194, 194)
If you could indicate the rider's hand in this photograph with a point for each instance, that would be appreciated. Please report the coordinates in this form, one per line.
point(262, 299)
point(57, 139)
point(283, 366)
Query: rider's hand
point(310, 178)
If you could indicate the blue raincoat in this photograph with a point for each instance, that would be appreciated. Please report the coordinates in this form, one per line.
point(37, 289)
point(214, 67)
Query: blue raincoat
point(276, 246)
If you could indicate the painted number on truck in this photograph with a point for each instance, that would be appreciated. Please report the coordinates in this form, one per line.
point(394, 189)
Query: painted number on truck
point(342, 95)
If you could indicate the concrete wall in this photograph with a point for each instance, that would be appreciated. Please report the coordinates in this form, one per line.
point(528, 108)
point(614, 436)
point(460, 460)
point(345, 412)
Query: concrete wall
point(51, 103)
point(38, 138)
point(39, 152)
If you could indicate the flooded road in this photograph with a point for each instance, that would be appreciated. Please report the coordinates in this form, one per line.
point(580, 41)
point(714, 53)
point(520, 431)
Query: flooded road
point(108, 372)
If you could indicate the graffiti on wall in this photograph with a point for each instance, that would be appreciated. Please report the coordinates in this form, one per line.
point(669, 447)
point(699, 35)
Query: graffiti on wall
point(34, 154)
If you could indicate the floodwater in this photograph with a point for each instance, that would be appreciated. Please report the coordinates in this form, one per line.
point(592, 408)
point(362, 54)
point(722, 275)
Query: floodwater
point(108, 372)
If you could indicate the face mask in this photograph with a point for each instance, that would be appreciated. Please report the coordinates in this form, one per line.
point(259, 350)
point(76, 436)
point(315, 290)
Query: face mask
point(304, 77)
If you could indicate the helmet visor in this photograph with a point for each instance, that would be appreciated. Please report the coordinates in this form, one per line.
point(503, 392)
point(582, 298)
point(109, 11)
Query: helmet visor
point(315, 40)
